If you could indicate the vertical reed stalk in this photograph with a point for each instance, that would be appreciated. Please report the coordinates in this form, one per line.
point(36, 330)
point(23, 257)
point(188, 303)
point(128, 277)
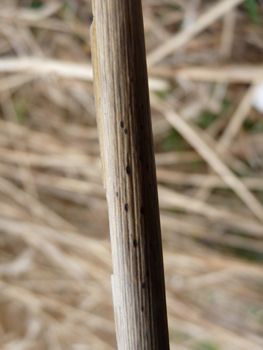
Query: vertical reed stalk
point(124, 122)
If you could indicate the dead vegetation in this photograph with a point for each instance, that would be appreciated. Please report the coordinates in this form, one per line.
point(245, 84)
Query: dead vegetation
point(205, 59)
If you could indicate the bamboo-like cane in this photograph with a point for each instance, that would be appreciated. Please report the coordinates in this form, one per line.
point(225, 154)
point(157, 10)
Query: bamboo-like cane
point(125, 131)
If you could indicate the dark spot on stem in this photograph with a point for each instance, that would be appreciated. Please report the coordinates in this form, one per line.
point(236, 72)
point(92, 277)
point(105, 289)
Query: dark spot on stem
point(122, 124)
point(135, 243)
point(142, 308)
point(126, 131)
point(142, 210)
point(128, 170)
point(143, 285)
point(117, 194)
point(126, 207)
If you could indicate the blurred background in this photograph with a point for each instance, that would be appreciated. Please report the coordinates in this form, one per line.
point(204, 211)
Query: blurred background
point(205, 67)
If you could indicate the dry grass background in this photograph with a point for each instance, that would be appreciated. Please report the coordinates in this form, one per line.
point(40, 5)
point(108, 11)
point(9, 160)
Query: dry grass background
point(205, 59)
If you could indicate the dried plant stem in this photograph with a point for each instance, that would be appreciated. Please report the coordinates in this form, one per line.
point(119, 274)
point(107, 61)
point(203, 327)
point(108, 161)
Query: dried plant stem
point(183, 37)
point(192, 136)
point(122, 99)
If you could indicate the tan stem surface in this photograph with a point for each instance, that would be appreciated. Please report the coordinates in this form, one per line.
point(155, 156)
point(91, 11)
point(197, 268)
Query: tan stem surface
point(125, 132)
